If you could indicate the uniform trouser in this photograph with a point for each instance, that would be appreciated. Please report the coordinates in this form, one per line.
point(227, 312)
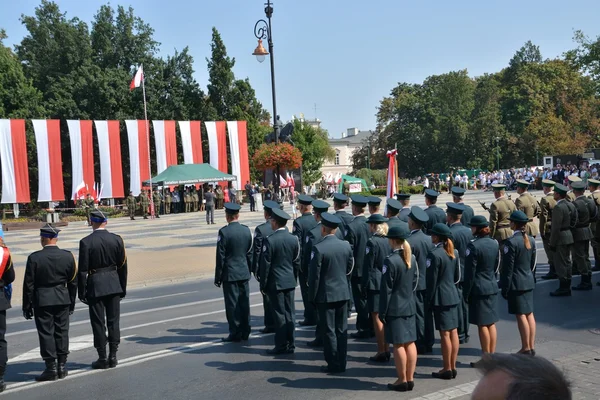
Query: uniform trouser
point(550, 253)
point(463, 315)
point(424, 321)
point(594, 243)
point(268, 311)
point(131, 212)
point(105, 313)
point(282, 302)
point(145, 210)
point(334, 318)
point(237, 307)
point(581, 257)
point(562, 261)
point(360, 303)
point(3, 348)
point(52, 324)
point(156, 208)
point(187, 206)
point(210, 214)
point(195, 206)
point(167, 208)
point(252, 204)
point(350, 302)
point(310, 313)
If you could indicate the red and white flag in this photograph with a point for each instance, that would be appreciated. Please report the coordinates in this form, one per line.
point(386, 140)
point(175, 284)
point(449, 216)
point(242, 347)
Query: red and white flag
point(238, 146)
point(191, 140)
point(82, 154)
point(165, 144)
point(13, 158)
point(80, 191)
point(139, 157)
point(392, 183)
point(111, 168)
point(137, 79)
point(50, 176)
point(217, 145)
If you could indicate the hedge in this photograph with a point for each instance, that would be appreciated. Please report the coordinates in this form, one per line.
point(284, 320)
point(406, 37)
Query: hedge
point(418, 189)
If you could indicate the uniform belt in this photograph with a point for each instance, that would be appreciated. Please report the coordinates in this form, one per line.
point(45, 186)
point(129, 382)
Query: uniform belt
point(101, 270)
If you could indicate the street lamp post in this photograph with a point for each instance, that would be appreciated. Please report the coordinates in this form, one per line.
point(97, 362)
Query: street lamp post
point(262, 30)
point(498, 152)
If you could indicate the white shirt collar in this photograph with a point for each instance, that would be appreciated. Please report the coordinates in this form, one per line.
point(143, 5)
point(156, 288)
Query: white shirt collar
point(281, 229)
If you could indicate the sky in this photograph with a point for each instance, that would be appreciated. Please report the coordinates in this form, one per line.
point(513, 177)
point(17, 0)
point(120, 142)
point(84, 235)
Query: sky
point(345, 56)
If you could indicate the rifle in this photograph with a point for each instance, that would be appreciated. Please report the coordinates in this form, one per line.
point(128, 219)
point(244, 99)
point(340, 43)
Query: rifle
point(486, 208)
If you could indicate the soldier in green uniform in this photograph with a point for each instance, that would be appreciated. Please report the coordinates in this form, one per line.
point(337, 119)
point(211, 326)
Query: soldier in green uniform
point(279, 266)
point(420, 245)
point(156, 199)
point(357, 235)
point(195, 199)
point(378, 248)
point(131, 205)
point(593, 185)
point(517, 276)
point(461, 237)
point(529, 205)
point(393, 208)
point(582, 234)
point(331, 262)
point(404, 199)
point(480, 289)
point(312, 238)
point(457, 197)
point(547, 205)
point(219, 195)
point(168, 201)
point(260, 233)
point(564, 217)
point(302, 226)
point(88, 206)
point(374, 204)
point(570, 195)
point(500, 210)
point(346, 188)
point(187, 199)
point(339, 204)
point(436, 215)
point(145, 203)
point(234, 258)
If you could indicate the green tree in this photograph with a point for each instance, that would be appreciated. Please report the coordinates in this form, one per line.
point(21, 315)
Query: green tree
point(315, 148)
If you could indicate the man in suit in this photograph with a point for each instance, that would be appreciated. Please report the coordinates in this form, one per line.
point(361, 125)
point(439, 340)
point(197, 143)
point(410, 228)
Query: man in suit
point(50, 289)
point(357, 235)
point(420, 245)
point(280, 262)
point(582, 234)
point(234, 258)
point(404, 199)
point(260, 233)
point(331, 262)
point(209, 196)
point(457, 197)
point(564, 217)
point(436, 215)
point(393, 208)
point(102, 284)
point(547, 204)
point(302, 226)
point(461, 237)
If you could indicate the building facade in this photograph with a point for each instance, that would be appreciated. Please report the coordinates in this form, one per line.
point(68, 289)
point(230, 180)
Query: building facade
point(344, 147)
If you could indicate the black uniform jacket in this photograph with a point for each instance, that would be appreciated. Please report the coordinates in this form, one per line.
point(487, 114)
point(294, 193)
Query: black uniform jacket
point(280, 261)
point(443, 273)
point(260, 233)
point(234, 253)
point(302, 226)
point(357, 235)
point(436, 216)
point(421, 245)
point(378, 248)
point(518, 265)
point(397, 285)
point(461, 237)
point(481, 263)
point(331, 263)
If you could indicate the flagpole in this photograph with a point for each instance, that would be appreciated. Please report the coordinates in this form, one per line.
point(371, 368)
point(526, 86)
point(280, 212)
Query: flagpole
point(148, 143)
point(397, 173)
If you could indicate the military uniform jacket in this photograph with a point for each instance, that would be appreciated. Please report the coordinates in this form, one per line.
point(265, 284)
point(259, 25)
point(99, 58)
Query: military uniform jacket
point(436, 215)
point(234, 253)
point(144, 200)
point(301, 228)
point(443, 273)
point(397, 285)
point(595, 196)
point(102, 265)
point(467, 214)
point(461, 237)
point(586, 212)
point(313, 237)
point(8, 277)
point(547, 204)
point(403, 214)
point(346, 219)
point(396, 221)
point(563, 218)
point(50, 278)
point(378, 248)
point(330, 264)
point(421, 245)
point(518, 265)
point(131, 202)
point(570, 196)
point(156, 198)
point(280, 261)
point(357, 235)
point(500, 210)
point(529, 205)
point(260, 233)
point(481, 263)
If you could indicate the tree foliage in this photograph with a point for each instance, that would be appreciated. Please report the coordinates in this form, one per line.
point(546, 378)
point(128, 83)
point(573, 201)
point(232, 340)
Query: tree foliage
point(314, 145)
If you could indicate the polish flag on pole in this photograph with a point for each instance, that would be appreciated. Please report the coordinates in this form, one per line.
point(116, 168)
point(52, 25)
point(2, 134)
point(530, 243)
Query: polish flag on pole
point(137, 79)
point(392, 185)
point(80, 191)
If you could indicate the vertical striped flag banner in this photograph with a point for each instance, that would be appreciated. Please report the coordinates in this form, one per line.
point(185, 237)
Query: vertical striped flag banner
point(217, 145)
point(13, 160)
point(82, 155)
point(165, 144)
point(139, 159)
point(392, 182)
point(191, 140)
point(238, 147)
point(50, 176)
point(111, 168)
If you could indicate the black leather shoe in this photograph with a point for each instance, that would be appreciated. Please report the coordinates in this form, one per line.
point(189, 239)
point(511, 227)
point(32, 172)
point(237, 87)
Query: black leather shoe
point(315, 343)
point(306, 323)
point(454, 373)
point(446, 375)
point(401, 387)
point(100, 363)
point(49, 373)
point(267, 330)
point(326, 369)
point(230, 338)
point(549, 276)
point(61, 368)
point(275, 352)
point(2, 385)
point(380, 357)
point(360, 335)
point(411, 385)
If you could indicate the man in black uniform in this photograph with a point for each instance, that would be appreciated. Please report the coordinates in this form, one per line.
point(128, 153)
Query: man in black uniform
point(393, 208)
point(302, 226)
point(279, 266)
point(374, 203)
point(457, 197)
point(461, 236)
point(420, 245)
point(50, 289)
point(436, 215)
point(404, 199)
point(358, 235)
point(260, 233)
point(232, 270)
point(102, 284)
point(7, 274)
point(339, 204)
point(331, 262)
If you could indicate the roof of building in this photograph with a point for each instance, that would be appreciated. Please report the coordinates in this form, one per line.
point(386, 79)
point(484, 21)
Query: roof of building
point(354, 139)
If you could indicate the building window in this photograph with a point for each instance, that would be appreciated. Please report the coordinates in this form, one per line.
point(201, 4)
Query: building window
point(337, 158)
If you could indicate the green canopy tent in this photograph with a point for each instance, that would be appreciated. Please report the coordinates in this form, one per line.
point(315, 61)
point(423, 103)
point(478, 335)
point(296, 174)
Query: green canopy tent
point(189, 174)
point(352, 179)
